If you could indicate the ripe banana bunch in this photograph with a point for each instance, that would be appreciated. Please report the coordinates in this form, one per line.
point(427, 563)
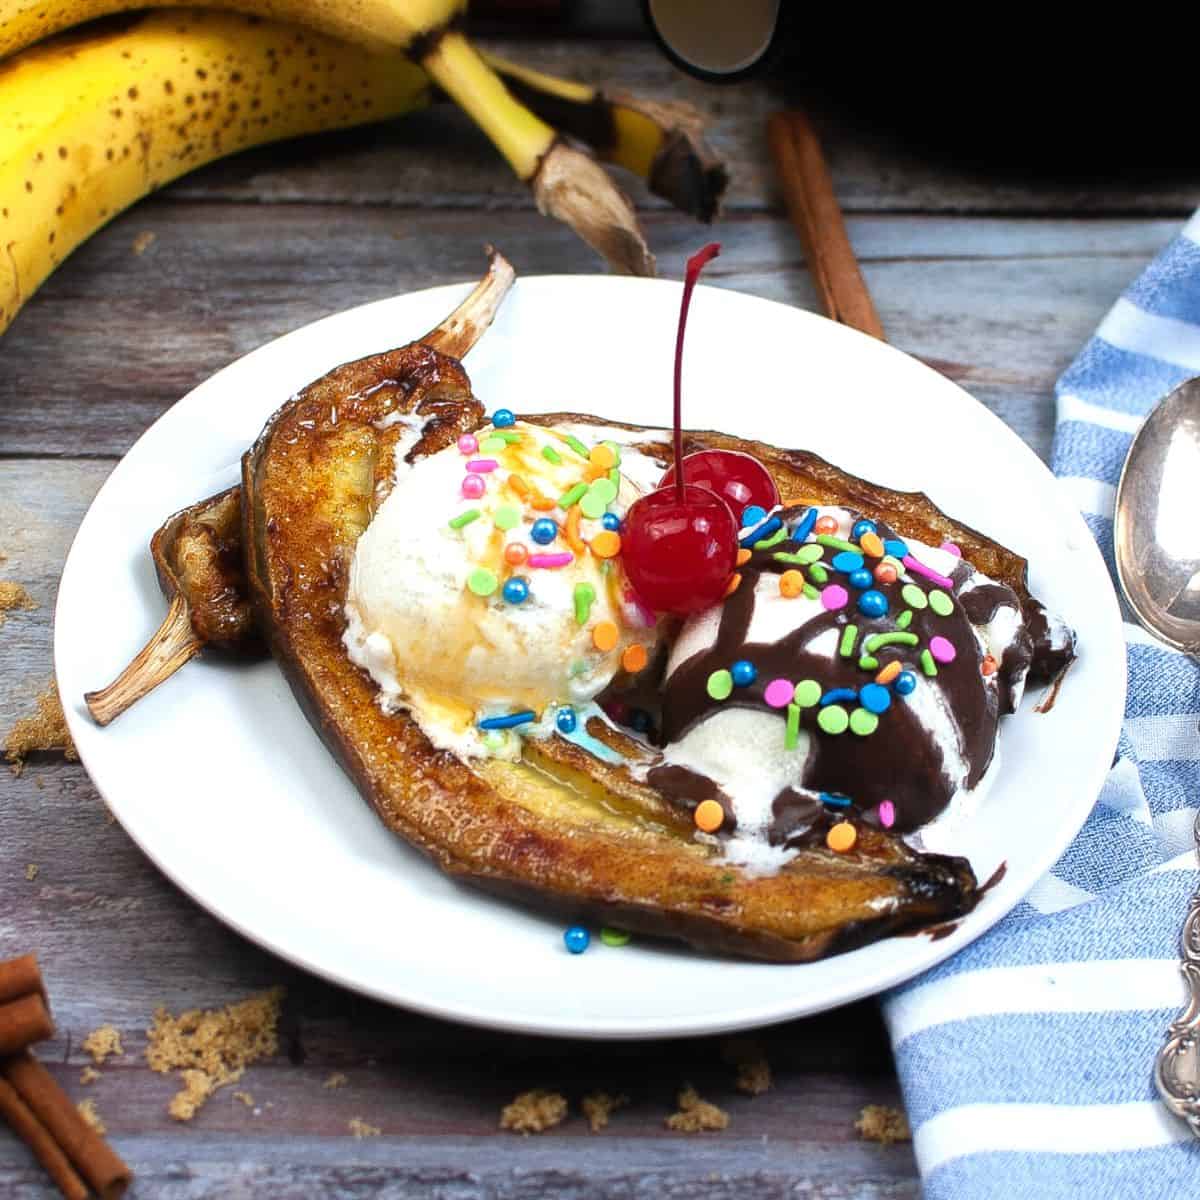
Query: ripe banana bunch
point(94, 120)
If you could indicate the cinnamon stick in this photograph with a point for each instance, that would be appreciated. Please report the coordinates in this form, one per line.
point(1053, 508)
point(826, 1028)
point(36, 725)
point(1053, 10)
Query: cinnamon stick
point(19, 977)
point(23, 1021)
point(89, 1153)
point(34, 1134)
point(813, 208)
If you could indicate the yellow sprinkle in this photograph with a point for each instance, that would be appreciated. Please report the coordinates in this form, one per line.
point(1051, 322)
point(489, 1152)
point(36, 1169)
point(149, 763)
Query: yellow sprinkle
point(791, 584)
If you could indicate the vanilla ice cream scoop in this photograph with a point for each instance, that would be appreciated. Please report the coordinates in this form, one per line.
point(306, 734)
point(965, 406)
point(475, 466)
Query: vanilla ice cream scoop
point(488, 584)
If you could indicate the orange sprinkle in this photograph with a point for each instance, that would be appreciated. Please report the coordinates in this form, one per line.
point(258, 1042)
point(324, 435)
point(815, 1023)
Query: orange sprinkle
point(606, 544)
point(635, 658)
point(841, 837)
point(515, 554)
point(605, 636)
point(735, 582)
point(888, 673)
point(603, 457)
point(542, 503)
point(886, 573)
point(592, 472)
point(518, 485)
point(743, 556)
point(572, 530)
point(826, 525)
point(988, 667)
point(791, 584)
point(709, 816)
point(872, 544)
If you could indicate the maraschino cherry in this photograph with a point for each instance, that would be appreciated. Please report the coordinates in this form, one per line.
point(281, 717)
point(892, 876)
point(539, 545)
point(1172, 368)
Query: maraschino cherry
point(680, 543)
point(739, 479)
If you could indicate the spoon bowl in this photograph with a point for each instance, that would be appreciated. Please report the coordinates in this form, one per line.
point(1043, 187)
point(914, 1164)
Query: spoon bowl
point(1156, 531)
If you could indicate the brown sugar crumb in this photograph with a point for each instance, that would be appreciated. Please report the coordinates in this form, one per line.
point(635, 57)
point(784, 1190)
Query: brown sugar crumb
point(212, 1048)
point(336, 1080)
point(696, 1115)
point(534, 1112)
point(13, 597)
point(103, 1042)
point(753, 1069)
point(599, 1106)
point(883, 1124)
point(245, 1097)
point(89, 1075)
point(45, 731)
point(144, 241)
point(361, 1129)
point(31, 871)
point(87, 1110)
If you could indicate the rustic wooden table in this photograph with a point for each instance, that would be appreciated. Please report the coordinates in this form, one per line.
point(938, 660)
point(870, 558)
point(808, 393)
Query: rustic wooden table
point(995, 282)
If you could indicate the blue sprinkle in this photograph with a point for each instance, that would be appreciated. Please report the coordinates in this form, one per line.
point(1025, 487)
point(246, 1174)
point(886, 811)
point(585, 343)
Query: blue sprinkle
point(639, 720)
point(611, 522)
point(516, 590)
point(744, 673)
point(861, 527)
point(847, 560)
point(577, 939)
point(502, 418)
point(752, 516)
point(834, 799)
point(861, 579)
point(875, 698)
point(543, 531)
point(873, 604)
point(804, 526)
point(508, 721)
point(837, 695)
point(763, 531)
point(566, 720)
point(895, 547)
point(905, 683)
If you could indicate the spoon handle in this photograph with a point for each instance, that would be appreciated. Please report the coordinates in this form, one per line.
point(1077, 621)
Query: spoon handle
point(1177, 1068)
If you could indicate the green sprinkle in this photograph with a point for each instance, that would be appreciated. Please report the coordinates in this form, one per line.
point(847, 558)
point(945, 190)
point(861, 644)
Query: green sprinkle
point(492, 444)
point(605, 489)
point(585, 596)
point(878, 640)
point(577, 446)
point(904, 620)
point(726, 878)
point(940, 603)
point(849, 636)
point(614, 477)
point(833, 718)
point(868, 662)
point(833, 543)
point(804, 556)
point(551, 455)
point(818, 574)
point(592, 506)
point(494, 739)
point(808, 693)
point(572, 495)
point(720, 685)
point(791, 738)
point(507, 517)
point(927, 663)
point(616, 451)
point(780, 535)
point(913, 596)
point(810, 591)
point(464, 518)
point(863, 722)
point(507, 436)
point(577, 668)
point(614, 937)
point(482, 581)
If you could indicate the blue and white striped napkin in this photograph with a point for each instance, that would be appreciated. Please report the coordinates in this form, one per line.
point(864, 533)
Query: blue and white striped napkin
point(1026, 1059)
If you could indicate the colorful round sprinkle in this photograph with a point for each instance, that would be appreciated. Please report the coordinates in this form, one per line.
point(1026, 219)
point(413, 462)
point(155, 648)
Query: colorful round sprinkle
point(841, 837)
point(719, 685)
point(565, 719)
point(605, 636)
point(516, 590)
point(906, 683)
point(863, 722)
point(940, 603)
point(615, 937)
point(833, 719)
point(942, 649)
point(951, 548)
point(779, 693)
point(861, 579)
point(872, 544)
point(834, 597)
point(611, 522)
point(468, 443)
point(913, 596)
point(577, 939)
point(634, 658)
point(516, 554)
point(592, 506)
point(826, 525)
point(507, 517)
point(895, 547)
point(492, 444)
point(606, 544)
point(473, 486)
point(872, 604)
point(807, 693)
point(875, 698)
point(791, 583)
point(482, 582)
point(752, 516)
point(886, 572)
point(847, 560)
point(602, 457)
point(543, 531)
point(744, 673)
point(862, 526)
point(709, 816)
point(605, 489)
point(887, 814)
point(639, 720)
point(502, 418)
point(988, 666)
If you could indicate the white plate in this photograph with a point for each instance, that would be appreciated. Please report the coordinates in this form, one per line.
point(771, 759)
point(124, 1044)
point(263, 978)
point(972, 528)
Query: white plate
point(220, 780)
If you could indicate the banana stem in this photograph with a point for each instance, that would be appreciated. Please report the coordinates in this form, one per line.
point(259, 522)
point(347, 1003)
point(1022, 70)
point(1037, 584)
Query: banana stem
point(470, 320)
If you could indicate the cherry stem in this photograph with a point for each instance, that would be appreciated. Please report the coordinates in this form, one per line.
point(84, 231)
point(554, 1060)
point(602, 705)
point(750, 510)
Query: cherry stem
point(695, 265)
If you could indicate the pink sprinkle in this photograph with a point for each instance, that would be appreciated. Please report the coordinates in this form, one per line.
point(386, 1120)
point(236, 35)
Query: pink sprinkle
point(473, 487)
point(551, 560)
point(482, 465)
point(779, 693)
point(951, 548)
point(887, 814)
point(834, 597)
point(942, 650)
point(468, 443)
point(929, 573)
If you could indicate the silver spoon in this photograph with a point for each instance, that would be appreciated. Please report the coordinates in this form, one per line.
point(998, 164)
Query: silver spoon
point(1157, 543)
